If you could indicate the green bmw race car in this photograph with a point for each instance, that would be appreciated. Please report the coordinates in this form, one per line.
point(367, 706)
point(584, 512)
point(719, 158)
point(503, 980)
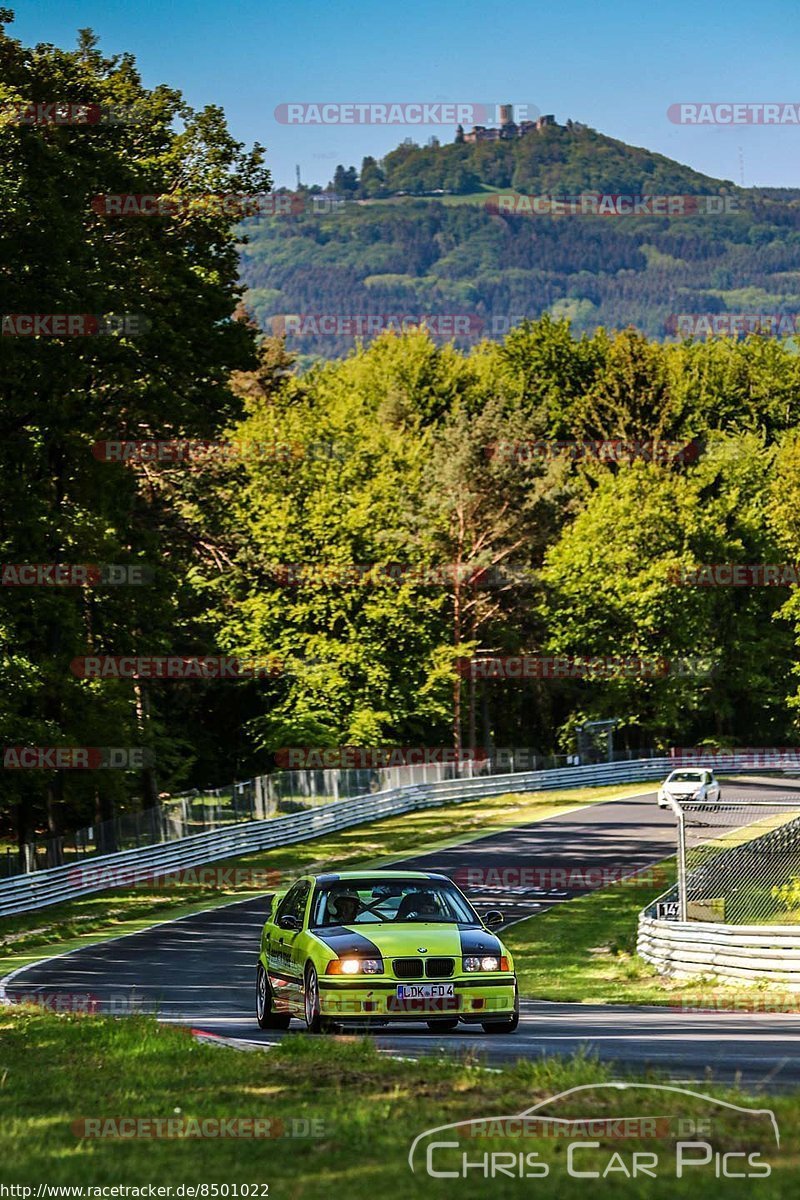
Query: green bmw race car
point(379, 946)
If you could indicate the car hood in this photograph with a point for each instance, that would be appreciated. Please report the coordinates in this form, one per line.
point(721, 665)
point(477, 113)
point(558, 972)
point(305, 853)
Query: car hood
point(683, 789)
point(409, 940)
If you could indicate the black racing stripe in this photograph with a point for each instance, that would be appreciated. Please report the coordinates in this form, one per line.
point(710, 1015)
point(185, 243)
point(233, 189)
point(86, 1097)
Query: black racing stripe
point(475, 940)
point(343, 941)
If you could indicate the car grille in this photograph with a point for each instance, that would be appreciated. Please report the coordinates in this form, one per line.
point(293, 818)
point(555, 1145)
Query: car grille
point(415, 968)
point(439, 968)
point(408, 968)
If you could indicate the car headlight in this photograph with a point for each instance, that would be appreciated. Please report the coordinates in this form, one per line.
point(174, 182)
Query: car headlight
point(489, 962)
point(355, 966)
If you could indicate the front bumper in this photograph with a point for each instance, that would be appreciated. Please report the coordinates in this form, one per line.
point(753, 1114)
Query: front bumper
point(491, 998)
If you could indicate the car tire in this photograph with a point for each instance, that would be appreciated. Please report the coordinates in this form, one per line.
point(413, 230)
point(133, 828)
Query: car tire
point(266, 1017)
point(502, 1026)
point(315, 1022)
point(509, 1026)
point(445, 1025)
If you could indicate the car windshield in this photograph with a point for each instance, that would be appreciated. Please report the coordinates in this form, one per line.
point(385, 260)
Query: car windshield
point(400, 901)
point(686, 777)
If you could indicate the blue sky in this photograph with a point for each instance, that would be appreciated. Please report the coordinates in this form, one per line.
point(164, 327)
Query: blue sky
point(616, 67)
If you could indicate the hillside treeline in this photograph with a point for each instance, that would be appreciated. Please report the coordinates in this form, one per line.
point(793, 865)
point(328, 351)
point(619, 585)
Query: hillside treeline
point(421, 257)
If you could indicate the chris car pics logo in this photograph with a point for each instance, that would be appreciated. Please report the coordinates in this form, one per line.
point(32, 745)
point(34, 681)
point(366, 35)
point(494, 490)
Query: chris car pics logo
point(655, 1131)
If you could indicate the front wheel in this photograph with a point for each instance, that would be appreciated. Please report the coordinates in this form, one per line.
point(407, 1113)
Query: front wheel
point(508, 1026)
point(502, 1026)
point(265, 1014)
point(447, 1025)
point(315, 1022)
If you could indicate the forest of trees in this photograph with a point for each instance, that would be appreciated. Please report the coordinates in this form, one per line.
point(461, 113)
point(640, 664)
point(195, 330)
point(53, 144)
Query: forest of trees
point(381, 457)
point(561, 159)
point(385, 250)
point(424, 257)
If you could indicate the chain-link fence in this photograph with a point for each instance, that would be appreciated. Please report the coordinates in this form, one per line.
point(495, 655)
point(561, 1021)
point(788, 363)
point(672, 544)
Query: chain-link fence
point(739, 861)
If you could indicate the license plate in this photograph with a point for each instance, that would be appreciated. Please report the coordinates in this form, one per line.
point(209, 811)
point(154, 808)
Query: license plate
point(424, 991)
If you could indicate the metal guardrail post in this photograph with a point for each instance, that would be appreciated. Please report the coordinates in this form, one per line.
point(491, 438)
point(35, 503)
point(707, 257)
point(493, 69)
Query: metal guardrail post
point(682, 897)
point(679, 815)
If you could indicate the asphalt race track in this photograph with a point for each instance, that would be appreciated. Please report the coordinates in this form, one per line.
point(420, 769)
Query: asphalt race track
point(199, 970)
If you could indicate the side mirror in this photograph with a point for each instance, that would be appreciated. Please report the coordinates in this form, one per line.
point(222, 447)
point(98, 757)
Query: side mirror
point(287, 921)
point(493, 919)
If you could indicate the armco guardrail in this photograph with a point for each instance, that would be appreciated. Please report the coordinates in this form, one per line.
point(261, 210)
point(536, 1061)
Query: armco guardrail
point(738, 952)
point(737, 949)
point(24, 893)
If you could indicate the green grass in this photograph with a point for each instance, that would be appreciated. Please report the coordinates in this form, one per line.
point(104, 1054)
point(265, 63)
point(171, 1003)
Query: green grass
point(584, 951)
point(63, 927)
point(366, 1109)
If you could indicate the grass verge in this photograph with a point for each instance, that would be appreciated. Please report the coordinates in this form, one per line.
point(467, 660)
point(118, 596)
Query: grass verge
point(584, 951)
point(63, 927)
point(364, 1111)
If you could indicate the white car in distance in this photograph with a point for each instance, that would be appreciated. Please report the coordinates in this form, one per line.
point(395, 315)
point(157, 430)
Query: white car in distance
point(688, 784)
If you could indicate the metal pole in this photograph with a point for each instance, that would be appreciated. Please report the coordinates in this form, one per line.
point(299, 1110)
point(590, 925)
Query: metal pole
point(682, 898)
point(682, 906)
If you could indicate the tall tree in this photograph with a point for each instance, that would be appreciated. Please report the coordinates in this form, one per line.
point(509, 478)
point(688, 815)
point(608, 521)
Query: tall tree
point(166, 286)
